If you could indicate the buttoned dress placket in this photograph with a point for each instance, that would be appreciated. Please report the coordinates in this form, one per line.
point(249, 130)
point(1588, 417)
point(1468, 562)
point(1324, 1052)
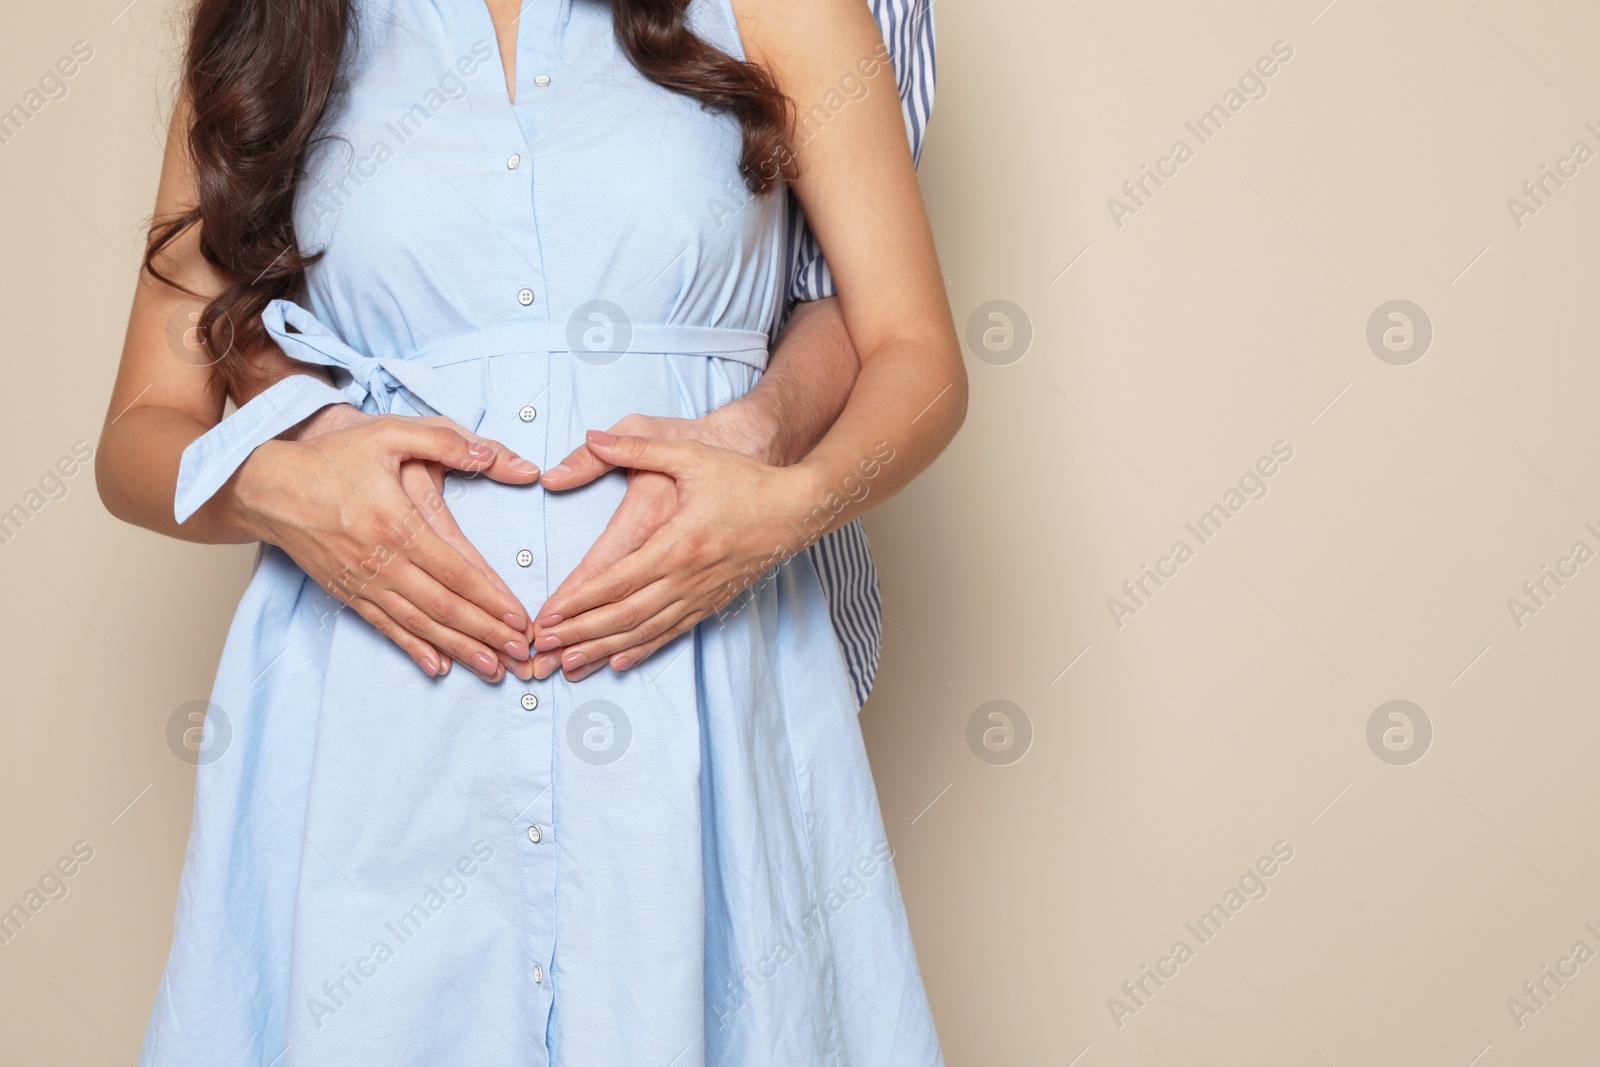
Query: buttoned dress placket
point(516, 388)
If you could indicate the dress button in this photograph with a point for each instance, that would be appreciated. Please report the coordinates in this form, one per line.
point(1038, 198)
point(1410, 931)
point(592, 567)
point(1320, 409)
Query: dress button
point(524, 558)
point(538, 975)
point(514, 161)
point(529, 702)
point(534, 835)
point(542, 80)
point(525, 297)
point(528, 414)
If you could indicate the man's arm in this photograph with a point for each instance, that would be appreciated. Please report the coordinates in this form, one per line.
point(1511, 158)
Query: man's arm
point(809, 375)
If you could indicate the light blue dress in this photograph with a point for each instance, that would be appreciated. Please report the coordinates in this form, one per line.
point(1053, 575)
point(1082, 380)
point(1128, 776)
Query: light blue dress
point(680, 864)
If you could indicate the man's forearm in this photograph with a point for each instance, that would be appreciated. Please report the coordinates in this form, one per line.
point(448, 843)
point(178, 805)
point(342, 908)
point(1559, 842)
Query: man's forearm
point(808, 379)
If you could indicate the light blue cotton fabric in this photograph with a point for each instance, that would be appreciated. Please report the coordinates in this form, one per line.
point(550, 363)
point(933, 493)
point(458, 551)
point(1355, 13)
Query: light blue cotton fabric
point(681, 864)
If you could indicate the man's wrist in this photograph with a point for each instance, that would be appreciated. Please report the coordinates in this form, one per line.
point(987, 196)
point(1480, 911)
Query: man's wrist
point(324, 421)
point(747, 427)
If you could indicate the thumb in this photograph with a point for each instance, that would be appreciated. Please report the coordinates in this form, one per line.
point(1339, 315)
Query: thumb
point(456, 447)
point(580, 467)
point(644, 453)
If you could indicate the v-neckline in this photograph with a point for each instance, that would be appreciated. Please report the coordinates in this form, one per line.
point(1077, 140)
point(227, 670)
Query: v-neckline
point(508, 74)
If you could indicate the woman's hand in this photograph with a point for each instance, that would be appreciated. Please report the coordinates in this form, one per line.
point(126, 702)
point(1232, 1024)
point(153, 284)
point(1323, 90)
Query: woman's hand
point(735, 518)
point(357, 502)
point(650, 500)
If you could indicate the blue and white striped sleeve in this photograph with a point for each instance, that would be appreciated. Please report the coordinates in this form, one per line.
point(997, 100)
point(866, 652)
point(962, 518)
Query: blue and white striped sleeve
point(907, 27)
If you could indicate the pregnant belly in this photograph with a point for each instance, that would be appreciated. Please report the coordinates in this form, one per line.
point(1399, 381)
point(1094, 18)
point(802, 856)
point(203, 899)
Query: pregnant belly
point(541, 407)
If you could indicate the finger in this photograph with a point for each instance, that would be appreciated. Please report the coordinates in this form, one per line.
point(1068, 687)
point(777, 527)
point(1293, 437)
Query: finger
point(520, 668)
point(406, 611)
point(676, 458)
point(610, 546)
point(457, 615)
point(417, 478)
point(456, 448)
point(645, 508)
point(424, 654)
point(632, 657)
point(583, 672)
point(588, 632)
point(474, 605)
point(658, 556)
point(654, 622)
point(405, 533)
point(507, 466)
point(580, 467)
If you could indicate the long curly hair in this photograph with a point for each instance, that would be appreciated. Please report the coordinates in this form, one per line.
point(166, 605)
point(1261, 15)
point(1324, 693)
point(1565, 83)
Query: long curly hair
point(259, 75)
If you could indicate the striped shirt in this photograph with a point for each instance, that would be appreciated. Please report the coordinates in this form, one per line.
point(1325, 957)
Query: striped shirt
point(842, 557)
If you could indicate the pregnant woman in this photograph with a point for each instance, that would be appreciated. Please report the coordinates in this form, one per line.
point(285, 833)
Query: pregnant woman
point(459, 237)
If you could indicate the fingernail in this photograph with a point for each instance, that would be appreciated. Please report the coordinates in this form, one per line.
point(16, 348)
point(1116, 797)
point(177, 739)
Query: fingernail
point(547, 642)
point(550, 620)
point(600, 437)
point(479, 450)
point(444, 668)
point(515, 621)
point(516, 650)
point(560, 470)
point(573, 660)
point(523, 466)
point(485, 663)
point(431, 667)
point(542, 666)
point(620, 663)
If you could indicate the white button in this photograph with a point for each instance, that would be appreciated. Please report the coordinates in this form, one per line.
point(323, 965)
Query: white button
point(524, 558)
point(529, 702)
point(538, 974)
point(542, 80)
point(528, 414)
point(514, 161)
point(525, 297)
point(534, 835)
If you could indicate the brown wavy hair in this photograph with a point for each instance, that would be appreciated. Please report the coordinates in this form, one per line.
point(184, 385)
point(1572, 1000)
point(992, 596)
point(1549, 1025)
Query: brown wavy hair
point(258, 76)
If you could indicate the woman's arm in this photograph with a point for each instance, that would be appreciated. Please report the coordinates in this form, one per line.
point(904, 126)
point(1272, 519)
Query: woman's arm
point(858, 187)
point(334, 504)
point(738, 517)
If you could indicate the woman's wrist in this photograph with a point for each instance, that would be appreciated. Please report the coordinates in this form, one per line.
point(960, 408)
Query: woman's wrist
point(252, 485)
point(249, 491)
point(808, 490)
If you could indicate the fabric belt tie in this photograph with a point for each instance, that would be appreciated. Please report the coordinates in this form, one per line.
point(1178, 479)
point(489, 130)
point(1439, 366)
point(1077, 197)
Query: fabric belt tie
point(423, 377)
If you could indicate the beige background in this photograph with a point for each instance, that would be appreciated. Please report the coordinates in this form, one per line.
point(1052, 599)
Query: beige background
point(1167, 755)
